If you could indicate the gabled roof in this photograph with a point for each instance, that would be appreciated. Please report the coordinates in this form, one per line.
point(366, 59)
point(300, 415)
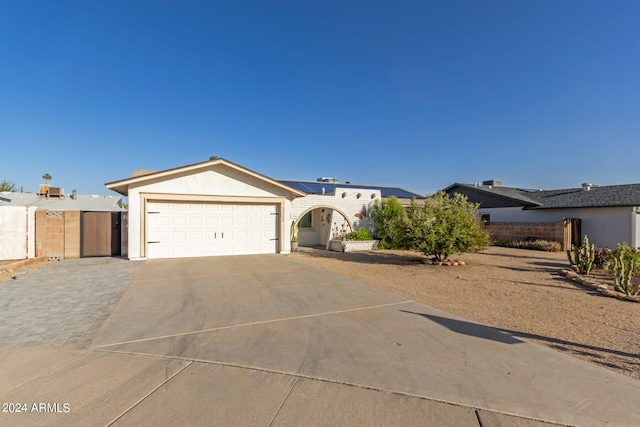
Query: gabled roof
point(316, 187)
point(595, 196)
point(122, 186)
point(82, 202)
point(517, 195)
point(605, 196)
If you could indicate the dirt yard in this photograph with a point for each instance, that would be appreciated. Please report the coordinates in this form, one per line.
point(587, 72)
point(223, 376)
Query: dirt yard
point(521, 292)
point(34, 264)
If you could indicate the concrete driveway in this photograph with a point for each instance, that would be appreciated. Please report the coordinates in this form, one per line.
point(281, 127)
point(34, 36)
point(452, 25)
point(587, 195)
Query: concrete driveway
point(266, 340)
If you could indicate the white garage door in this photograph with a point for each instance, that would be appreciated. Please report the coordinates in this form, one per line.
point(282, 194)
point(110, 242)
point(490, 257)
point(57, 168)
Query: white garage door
point(178, 230)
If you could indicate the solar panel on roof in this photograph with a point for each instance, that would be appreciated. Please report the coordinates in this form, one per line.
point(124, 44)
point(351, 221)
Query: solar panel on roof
point(317, 188)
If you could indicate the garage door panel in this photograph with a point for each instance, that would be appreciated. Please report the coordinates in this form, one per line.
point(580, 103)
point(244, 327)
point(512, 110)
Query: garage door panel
point(178, 220)
point(212, 221)
point(209, 229)
point(196, 235)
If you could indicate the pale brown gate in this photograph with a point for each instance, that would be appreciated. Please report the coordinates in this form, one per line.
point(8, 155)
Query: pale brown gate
point(572, 232)
point(100, 234)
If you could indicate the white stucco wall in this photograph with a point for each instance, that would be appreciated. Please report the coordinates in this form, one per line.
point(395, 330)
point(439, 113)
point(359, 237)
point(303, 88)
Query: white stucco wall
point(636, 231)
point(17, 232)
point(606, 227)
point(349, 201)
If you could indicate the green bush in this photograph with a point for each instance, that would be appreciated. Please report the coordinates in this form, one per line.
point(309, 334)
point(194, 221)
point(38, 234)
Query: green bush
point(536, 245)
point(387, 215)
point(443, 225)
point(360, 234)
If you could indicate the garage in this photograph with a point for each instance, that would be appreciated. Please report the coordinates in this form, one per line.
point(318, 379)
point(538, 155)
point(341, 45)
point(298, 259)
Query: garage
point(205, 209)
point(178, 229)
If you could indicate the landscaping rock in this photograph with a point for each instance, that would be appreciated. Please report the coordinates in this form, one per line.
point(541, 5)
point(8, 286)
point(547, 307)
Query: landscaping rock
point(590, 284)
point(610, 293)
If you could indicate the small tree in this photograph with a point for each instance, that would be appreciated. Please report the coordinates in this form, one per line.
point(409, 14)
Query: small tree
point(6, 185)
point(387, 215)
point(46, 178)
point(444, 225)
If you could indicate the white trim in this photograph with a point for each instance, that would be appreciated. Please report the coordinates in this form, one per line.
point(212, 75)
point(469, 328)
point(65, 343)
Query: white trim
point(122, 186)
point(146, 198)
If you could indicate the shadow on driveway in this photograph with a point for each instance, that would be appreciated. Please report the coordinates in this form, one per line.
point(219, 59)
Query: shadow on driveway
point(468, 328)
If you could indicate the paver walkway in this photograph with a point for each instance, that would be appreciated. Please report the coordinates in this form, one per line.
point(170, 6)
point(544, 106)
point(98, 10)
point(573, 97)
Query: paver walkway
point(64, 303)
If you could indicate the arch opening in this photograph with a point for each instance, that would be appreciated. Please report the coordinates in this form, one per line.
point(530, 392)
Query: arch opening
point(317, 225)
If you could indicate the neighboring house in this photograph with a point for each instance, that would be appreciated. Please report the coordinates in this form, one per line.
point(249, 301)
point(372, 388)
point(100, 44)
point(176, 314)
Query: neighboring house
point(221, 208)
point(607, 214)
point(60, 226)
point(71, 202)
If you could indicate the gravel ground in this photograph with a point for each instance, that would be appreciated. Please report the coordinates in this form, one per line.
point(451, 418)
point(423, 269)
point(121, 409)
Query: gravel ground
point(518, 291)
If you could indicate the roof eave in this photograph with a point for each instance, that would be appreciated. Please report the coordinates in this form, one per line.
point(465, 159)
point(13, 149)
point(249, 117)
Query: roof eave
point(525, 204)
point(122, 186)
point(584, 207)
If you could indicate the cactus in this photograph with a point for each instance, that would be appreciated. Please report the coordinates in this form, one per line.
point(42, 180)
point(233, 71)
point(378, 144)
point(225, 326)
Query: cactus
point(623, 264)
point(583, 256)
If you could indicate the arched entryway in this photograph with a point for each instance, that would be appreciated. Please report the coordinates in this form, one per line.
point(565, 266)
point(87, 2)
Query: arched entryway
point(319, 224)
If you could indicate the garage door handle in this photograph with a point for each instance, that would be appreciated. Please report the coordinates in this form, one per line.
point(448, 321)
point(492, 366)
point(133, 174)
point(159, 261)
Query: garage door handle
point(223, 235)
point(154, 242)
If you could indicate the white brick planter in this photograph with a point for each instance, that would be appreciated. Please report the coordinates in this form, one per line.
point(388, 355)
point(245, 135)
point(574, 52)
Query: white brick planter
point(353, 245)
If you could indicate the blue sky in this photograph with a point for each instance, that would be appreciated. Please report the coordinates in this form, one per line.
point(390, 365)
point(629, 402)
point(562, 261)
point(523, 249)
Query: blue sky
point(417, 94)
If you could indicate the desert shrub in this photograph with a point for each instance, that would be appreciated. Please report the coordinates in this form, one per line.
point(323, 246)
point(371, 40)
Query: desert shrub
point(601, 259)
point(537, 245)
point(442, 225)
point(387, 215)
point(582, 256)
point(359, 234)
point(624, 263)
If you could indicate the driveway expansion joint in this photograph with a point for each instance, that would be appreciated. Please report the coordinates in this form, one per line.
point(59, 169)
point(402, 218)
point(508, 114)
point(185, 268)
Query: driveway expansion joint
point(283, 401)
point(150, 393)
point(299, 376)
point(262, 322)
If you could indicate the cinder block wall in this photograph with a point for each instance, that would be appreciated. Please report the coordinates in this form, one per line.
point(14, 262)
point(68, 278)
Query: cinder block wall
point(553, 231)
point(72, 234)
point(58, 234)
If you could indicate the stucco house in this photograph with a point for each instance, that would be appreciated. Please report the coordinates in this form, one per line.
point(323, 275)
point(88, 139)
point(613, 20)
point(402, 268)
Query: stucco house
point(607, 214)
point(221, 208)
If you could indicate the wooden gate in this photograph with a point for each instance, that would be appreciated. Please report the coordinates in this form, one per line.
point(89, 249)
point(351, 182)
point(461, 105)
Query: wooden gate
point(100, 234)
point(572, 232)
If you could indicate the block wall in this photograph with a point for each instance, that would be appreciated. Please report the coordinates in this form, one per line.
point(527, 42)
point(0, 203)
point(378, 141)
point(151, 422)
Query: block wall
point(553, 231)
point(57, 234)
point(72, 234)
